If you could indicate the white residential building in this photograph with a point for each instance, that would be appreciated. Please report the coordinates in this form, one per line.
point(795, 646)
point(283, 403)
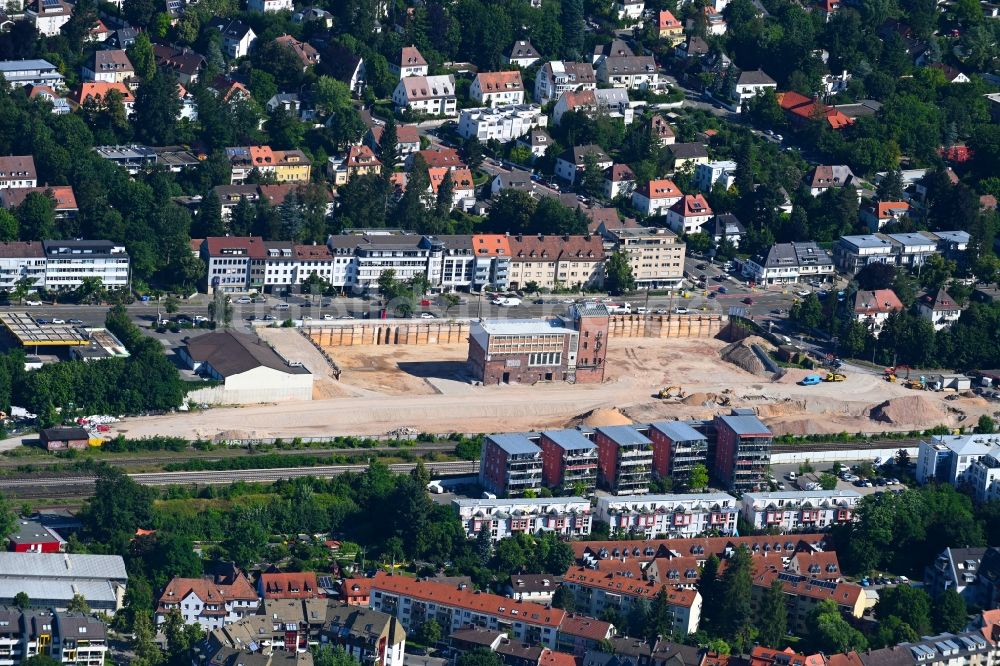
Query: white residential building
point(49, 16)
point(410, 63)
point(656, 197)
point(689, 214)
point(947, 458)
point(108, 66)
point(268, 6)
point(556, 77)
point(630, 11)
point(939, 309)
point(69, 263)
point(670, 516)
point(237, 36)
point(572, 162)
point(566, 516)
point(208, 602)
point(497, 88)
point(984, 476)
point(748, 84)
point(631, 72)
point(430, 95)
point(799, 510)
point(786, 263)
point(503, 123)
point(18, 171)
point(608, 102)
point(722, 172)
point(19, 73)
point(522, 54)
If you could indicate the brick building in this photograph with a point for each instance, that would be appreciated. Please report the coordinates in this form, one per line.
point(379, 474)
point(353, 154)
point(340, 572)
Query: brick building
point(624, 460)
point(568, 460)
point(742, 450)
point(510, 465)
point(677, 448)
point(571, 347)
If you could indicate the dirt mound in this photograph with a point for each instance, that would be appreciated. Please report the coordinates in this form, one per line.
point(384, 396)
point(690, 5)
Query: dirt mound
point(740, 355)
point(611, 416)
point(698, 398)
point(907, 410)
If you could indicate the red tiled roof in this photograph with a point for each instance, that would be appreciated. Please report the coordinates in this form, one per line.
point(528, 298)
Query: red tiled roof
point(442, 157)
point(487, 604)
point(361, 156)
point(708, 545)
point(411, 57)
point(692, 205)
point(617, 173)
point(553, 658)
point(824, 558)
point(97, 90)
point(849, 659)
point(660, 189)
point(844, 594)
point(667, 20)
point(300, 585)
point(208, 590)
point(808, 109)
point(252, 245)
point(404, 134)
point(12, 197)
point(957, 154)
point(586, 627)
point(495, 82)
point(491, 245)
point(551, 248)
point(886, 209)
point(356, 588)
point(880, 301)
point(628, 586)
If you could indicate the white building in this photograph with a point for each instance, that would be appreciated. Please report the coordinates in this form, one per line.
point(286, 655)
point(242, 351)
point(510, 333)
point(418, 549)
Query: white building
point(410, 63)
point(430, 95)
point(208, 602)
point(656, 197)
point(748, 84)
point(267, 6)
point(607, 102)
point(51, 580)
point(572, 162)
point(947, 458)
point(69, 263)
point(31, 72)
point(556, 77)
point(984, 476)
point(629, 71)
point(939, 309)
point(18, 171)
point(249, 371)
point(497, 88)
point(108, 66)
point(722, 172)
point(522, 54)
point(49, 16)
point(670, 516)
point(237, 36)
point(630, 11)
point(689, 214)
point(503, 123)
point(566, 516)
point(799, 510)
point(786, 263)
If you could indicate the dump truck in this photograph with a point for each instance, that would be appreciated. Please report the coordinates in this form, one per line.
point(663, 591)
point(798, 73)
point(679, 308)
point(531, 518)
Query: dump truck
point(834, 377)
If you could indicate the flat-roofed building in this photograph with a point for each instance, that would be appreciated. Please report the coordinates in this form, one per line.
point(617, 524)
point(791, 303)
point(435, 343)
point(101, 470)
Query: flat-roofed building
point(742, 450)
point(510, 464)
point(566, 516)
point(670, 516)
point(569, 461)
point(69, 263)
point(52, 580)
point(31, 72)
point(677, 448)
point(655, 255)
point(624, 460)
point(799, 510)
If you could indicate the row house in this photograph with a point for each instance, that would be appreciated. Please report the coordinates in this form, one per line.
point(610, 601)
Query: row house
point(656, 197)
point(414, 602)
point(670, 516)
point(491, 89)
point(566, 516)
point(787, 263)
point(799, 510)
point(503, 123)
point(298, 585)
point(557, 77)
point(287, 166)
point(427, 95)
point(596, 592)
point(554, 262)
point(852, 253)
point(210, 602)
point(655, 255)
point(595, 554)
point(66, 638)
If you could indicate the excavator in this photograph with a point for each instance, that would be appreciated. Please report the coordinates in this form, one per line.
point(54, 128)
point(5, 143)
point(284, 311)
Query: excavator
point(834, 377)
point(670, 392)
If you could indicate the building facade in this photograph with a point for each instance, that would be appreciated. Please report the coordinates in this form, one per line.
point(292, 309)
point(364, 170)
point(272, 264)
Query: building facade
point(429, 95)
point(510, 465)
point(787, 263)
point(742, 450)
point(209, 602)
point(624, 460)
point(569, 461)
point(677, 449)
point(799, 510)
point(566, 516)
point(655, 255)
point(503, 122)
point(556, 77)
point(670, 516)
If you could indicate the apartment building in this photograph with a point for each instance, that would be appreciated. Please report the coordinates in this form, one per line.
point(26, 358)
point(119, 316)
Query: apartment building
point(947, 458)
point(629, 71)
point(497, 88)
point(19, 73)
point(955, 569)
point(414, 602)
point(69, 263)
point(655, 255)
point(569, 461)
point(624, 460)
point(66, 638)
point(656, 197)
point(852, 253)
point(52, 580)
point(492, 252)
point(742, 450)
point(596, 591)
point(677, 449)
point(787, 263)
point(984, 476)
point(719, 172)
point(18, 171)
point(229, 260)
point(504, 123)
point(670, 516)
point(605, 102)
point(881, 213)
point(568, 348)
point(748, 84)
point(510, 464)
point(20, 260)
point(428, 95)
point(556, 77)
point(553, 262)
point(211, 602)
point(407, 254)
point(799, 510)
point(804, 593)
point(566, 516)
point(287, 166)
point(296, 585)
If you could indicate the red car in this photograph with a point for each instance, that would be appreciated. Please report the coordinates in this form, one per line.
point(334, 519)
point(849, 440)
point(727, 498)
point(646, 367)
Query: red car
point(748, 300)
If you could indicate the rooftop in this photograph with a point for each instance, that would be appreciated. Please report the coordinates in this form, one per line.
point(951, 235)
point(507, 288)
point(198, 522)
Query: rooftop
point(231, 353)
point(569, 440)
point(514, 443)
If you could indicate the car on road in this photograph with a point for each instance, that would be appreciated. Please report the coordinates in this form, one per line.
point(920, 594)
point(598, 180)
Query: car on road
point(76, 322)
point(811, 380)
point(347, 317)
point(30, 302)
point(723, 290)
point(42, 322)
point(779, 137)
point(661, 311)
point(199, 319)
point(803, 293)
point(680, 310)
point(701, 267)
point(281, 306)
point(427, 315)
point(244, 300)
point(748, 300)
point(268, 317)
point(328, 317)
point(58, 321)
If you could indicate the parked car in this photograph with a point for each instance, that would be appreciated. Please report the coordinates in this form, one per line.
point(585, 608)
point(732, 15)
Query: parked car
point(811, 380)
point(427, 315)
point(58, 321)
point(680, 310)
point(76, 322)
point(723, 290)
point(244, 300)
point(281, 306)
point(31, 302)
point(327, 317)
point(42, 322)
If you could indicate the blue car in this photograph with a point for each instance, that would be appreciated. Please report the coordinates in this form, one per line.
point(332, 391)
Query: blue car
point(811, 380)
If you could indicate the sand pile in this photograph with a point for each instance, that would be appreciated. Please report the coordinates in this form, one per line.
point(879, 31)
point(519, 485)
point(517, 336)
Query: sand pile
point(908, 410)
point(595, 418)
point(740, 355)
point(227, 435)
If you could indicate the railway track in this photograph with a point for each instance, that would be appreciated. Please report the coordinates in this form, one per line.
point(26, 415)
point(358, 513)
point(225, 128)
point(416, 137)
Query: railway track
point(806, 447)
point(82, 486)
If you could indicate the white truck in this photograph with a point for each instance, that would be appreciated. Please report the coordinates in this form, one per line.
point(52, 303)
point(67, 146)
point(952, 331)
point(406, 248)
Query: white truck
point(508, 301)
point(619, 308)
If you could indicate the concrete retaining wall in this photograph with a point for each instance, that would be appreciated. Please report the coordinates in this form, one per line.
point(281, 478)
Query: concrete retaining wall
point(841, 456)
point(409, 332)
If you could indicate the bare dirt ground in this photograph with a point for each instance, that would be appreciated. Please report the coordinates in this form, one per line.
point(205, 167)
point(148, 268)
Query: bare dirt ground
point(423, 387)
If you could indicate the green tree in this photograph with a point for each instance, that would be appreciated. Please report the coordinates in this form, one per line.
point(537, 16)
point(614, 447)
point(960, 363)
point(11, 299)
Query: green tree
point(986, 424)
point(909, 604)
point(830, 632)
point(699, 477)
point(564, 598)
point(78, 604)
point(593, 177)
point(618, 274)
point(479, 657)
point(735, 617)
point(9, 226)
point(772, 621)
point(8, 519)
point(327, 655)
point(827, 481)
point(118, 507)
point(141, 55)
point(22, 601)
point(445, 195)
point(36, 216)
point(157, 107)
point(147, 652)
point(876, 276)
point(893, 631)
point(890, 188)
point(430, 632)
point(572, 28)
point(808, 311)
point(209, 220)
point(948, 613)
point(246, 537)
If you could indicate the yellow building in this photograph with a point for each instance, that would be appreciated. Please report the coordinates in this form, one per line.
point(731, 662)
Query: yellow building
point(292, 166)
point(670, 29)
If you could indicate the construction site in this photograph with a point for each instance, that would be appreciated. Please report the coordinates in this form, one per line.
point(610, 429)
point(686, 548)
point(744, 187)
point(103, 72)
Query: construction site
point(374, 389)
